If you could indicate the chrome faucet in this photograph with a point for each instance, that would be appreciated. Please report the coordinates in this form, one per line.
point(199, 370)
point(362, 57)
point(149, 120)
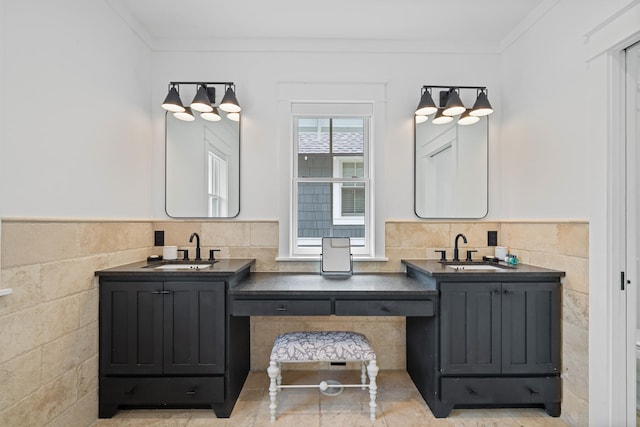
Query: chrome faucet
point(198, 245)
point(455, 248)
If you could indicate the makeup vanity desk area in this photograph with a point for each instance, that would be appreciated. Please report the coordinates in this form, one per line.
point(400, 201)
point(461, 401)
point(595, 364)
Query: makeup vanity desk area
point(300, 294)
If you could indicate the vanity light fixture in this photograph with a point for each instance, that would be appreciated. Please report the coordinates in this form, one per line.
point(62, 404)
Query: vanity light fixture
point(185, 115)
point(212, 116)
point(467, 119)
point(426, 106)
point(481, 107)
point(173, 102)
point(203, 101)
point(229, 102)
point(440, 118)
point(421, 119)
point(454, 104)
point(451, 104)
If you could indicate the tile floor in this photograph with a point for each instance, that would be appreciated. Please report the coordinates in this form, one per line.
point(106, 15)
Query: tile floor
point(399, 405)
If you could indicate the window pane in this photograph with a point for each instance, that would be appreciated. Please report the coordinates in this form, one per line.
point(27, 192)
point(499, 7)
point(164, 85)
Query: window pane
point(315, 214)
point(319, 140)
point(353, 200)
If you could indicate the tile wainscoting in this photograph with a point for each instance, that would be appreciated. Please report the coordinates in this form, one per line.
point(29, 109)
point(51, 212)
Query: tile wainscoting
point(48, 341)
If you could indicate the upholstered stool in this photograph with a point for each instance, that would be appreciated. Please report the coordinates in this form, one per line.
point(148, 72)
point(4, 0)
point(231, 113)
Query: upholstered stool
point(327, 346)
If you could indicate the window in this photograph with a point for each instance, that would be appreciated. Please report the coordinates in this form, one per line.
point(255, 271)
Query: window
point(349, 197)
point(217, 183)
point(331, 181)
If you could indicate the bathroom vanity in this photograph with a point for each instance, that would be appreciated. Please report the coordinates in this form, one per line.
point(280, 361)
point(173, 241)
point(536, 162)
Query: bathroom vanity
point(477, 335)
point(494, 340)
point(167, 338)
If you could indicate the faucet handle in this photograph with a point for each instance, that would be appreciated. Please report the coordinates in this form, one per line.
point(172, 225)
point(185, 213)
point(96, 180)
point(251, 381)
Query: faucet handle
point(186, 254)
point(443, 254)
point(469, 252)
point(212, 254)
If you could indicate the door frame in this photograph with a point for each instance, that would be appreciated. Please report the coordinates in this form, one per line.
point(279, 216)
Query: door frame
point(631, 280)
point(622, 193)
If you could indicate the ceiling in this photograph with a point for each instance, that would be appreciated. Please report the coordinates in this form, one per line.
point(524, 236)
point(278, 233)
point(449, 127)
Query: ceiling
point(430, 21)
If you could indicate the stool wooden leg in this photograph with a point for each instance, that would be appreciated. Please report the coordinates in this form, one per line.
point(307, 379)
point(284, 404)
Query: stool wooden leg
point(274, 372)
point(279, 379)
point(363, 375)
point(372, 370)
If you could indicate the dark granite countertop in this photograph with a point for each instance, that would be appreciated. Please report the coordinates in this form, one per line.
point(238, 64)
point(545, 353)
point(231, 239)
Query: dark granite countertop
point(391, 285)
point(144, 269)
point(442, 271)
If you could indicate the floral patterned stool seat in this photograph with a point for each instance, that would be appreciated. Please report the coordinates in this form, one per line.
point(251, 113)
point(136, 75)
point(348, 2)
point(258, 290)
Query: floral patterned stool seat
point(325, 346)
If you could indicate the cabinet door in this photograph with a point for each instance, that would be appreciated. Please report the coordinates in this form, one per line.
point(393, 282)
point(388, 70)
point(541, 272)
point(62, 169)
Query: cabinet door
point(194, 327)
point(531, 328)
point(470, 328)
point(131, 328)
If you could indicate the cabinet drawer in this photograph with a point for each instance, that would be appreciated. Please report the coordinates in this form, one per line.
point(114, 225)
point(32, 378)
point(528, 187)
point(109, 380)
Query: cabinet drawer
point(162, 391)
point(281, 307)
point(384, 308)
point(500, 390)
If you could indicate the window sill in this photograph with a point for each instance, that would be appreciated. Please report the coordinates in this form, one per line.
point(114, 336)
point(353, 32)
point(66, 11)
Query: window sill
point(316, 258)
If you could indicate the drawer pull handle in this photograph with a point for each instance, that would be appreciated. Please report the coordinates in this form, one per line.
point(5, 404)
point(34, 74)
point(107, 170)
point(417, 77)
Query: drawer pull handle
point(385, 309)
point(472, 392)
point(191, 392)
point(532, 392)
point(131, 390)
point(282, 308)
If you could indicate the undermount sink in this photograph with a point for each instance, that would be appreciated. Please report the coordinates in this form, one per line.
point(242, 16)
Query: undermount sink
point(478, 267)
point(182, 266)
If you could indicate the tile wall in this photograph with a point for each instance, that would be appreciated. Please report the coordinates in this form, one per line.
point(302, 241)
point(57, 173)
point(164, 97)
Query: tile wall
point(48, 338)
point(49, 324)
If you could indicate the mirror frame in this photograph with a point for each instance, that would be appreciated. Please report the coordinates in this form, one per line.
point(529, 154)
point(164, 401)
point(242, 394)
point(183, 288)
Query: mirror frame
point(166, 176)
point(415, 177)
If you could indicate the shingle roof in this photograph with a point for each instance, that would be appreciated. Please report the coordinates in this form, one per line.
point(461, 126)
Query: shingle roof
point(343, 143)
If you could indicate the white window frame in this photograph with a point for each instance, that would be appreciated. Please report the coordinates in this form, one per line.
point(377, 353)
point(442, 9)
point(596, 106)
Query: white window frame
point(338, 218)
point(360, 246)
point(217, 181)
point(354, 96)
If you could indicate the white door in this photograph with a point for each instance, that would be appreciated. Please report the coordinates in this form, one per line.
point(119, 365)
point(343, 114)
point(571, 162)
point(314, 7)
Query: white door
point(630, 282)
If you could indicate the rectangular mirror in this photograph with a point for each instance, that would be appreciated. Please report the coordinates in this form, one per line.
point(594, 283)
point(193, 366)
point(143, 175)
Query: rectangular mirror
point(451, 165)
point(202, 168)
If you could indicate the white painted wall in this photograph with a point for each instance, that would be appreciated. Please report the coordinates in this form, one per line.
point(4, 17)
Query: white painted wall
point(544, 129)
point(75, 104)
point(107, 162)
point(559, 142)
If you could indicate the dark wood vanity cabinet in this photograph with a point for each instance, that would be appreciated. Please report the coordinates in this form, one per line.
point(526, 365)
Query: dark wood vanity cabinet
point(507, 328)
point(162, 328)
point(166, 343)
point(498, 344)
